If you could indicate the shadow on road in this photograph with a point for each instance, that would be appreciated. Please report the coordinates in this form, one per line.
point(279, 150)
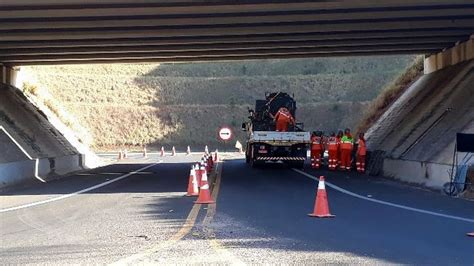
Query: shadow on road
point(162, 177)
point(266, 208)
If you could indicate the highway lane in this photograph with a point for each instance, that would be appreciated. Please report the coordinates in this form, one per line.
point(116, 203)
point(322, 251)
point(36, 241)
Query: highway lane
point(270, 207)
point(260, 217)
point(100, 226)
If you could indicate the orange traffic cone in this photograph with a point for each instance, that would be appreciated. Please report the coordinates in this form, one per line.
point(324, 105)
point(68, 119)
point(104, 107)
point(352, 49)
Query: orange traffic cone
point(120, 155)
point(199, 171)
point(162, 152)
point(188, 151)
point(145, 154)
point(204, 193)
point(206, 165)
point(321, 206)
point(173, 152)
point(193, 189)
point(216, 158)
point(470, 234)
point(206, 150)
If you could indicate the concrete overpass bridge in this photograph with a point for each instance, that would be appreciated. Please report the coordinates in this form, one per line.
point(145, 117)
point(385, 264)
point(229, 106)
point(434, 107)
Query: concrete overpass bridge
point(90, 31)
point(111, 31)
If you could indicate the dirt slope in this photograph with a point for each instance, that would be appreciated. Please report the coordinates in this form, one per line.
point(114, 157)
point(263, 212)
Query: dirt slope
point(185, 104)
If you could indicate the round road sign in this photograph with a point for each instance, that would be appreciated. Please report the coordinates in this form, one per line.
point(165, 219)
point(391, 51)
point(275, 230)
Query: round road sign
point(225, 133)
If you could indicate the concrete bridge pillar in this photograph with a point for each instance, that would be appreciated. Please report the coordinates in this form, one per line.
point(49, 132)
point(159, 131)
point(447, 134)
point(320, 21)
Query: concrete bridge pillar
point(461, 52)
point(9, 75)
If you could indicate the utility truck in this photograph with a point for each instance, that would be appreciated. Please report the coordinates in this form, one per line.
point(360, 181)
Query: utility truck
point(265, 144)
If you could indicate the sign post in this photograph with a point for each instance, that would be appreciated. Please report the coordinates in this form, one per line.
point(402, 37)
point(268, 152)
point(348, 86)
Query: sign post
point(225, 134)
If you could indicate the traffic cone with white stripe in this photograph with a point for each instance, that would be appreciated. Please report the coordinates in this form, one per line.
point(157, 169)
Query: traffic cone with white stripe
point(210, 162)
point(204, 193)
point(216, 158)
point(193, 189)
point(162, 152)
point(198, 174)
point(173, 151)
point(188, 151)
point(321, 206)
point(204, 163)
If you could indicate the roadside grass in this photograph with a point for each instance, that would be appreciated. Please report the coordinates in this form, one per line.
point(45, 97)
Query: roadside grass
point(43, 99)
point(390, 94)
point(125, 105)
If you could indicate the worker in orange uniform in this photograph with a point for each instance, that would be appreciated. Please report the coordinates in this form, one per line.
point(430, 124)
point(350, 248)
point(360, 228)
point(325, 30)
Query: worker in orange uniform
point(332, 151)
point(346, 150)
point(316, 149)
point(361, 153)
point(283, 118)
point(338, 139)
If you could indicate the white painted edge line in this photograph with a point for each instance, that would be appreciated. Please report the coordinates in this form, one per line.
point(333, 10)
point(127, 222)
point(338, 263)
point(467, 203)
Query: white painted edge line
point(25, 153)
point(37, 170)
point(386, 202)
point(77, 192)
point(16, 143)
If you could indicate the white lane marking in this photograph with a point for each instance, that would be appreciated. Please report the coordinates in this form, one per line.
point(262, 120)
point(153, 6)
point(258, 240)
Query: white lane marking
point(77, 192)
point(386, 202)
point(37, 170)
point(16, 143)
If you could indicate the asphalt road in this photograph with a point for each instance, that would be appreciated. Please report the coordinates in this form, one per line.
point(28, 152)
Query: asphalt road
point(260, 218)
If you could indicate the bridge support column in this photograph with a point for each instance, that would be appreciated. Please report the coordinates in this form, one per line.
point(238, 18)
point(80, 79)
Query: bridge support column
point(459, 53)
point(9, 75)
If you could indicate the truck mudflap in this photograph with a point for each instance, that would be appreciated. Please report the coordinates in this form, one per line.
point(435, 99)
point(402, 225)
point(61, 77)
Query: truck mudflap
point(277, 158)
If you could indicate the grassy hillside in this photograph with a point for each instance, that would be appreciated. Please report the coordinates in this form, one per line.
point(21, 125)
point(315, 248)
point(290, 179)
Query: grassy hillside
point(185, 104)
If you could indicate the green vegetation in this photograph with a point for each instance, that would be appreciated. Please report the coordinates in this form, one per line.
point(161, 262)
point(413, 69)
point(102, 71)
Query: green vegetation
point(185, 104)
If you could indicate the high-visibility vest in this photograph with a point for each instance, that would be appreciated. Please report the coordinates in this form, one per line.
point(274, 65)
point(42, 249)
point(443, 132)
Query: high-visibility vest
point(316, 143)
point(361, 148)
point(332, 144)
point(284, 116)
point(346, 143)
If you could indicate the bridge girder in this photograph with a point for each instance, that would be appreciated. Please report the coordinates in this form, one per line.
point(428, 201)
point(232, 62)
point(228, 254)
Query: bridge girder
point(87, 31)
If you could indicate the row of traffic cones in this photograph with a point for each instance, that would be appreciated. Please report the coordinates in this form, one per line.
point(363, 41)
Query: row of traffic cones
point(198, 184)
point(123, 154)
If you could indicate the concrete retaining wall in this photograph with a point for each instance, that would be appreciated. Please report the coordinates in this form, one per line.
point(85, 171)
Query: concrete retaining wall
point(433, 175)
point(15, 173)
point(51, 167)
point(36, 133)
point(27, 171)
point(417, 133)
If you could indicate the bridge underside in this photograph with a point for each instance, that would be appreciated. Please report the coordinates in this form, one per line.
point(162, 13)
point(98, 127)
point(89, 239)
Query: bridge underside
point(89, 31)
